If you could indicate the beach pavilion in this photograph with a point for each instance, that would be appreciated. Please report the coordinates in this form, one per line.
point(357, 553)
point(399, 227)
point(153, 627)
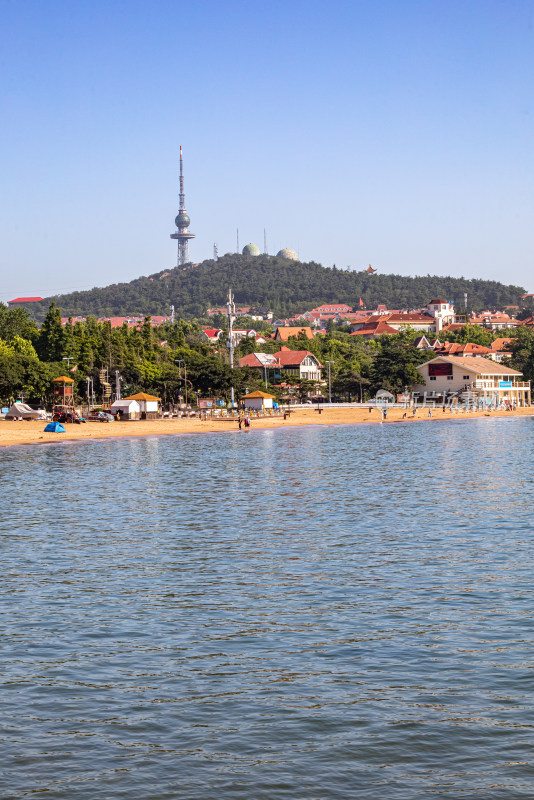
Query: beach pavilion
point(258, 401)
point(148, 404)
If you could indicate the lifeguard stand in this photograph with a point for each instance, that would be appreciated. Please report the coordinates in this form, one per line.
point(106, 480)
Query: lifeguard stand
point(63, 394)
point(63, 399)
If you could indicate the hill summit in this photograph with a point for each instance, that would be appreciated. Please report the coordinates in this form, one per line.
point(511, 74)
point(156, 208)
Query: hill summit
point(284, 286)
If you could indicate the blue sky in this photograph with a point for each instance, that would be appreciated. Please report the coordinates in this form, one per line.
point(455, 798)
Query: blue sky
point(392, 133)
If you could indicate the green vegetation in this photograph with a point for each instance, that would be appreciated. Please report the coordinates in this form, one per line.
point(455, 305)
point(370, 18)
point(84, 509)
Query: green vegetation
point(30, 357)
point(285, 287)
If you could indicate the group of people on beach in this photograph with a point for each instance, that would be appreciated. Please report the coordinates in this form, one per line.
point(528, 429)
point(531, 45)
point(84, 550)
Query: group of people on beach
point(244, 421)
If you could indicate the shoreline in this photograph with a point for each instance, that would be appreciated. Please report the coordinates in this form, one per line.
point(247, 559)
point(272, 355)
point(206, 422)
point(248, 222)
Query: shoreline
point(29, 432)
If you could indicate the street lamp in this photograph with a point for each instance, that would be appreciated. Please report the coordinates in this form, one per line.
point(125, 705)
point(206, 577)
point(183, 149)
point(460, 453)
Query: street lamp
point(329, 382)
point(180, 361)
point(68, 359)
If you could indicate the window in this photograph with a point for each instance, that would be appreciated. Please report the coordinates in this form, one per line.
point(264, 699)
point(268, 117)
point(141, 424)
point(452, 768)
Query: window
point(432, 377)
point(465, 377)
point(449, 377)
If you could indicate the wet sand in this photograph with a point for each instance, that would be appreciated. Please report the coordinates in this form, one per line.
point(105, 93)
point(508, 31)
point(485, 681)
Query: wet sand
point(32, 432)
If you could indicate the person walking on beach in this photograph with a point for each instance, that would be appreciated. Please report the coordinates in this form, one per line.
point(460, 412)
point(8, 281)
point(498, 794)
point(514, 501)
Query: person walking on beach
point(429, 413)
point(240, 422)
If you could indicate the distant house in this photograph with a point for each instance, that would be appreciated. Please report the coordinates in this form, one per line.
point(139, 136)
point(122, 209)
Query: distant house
point(332, 308)
point(500, 349)
point(422, 343)
point(482, 377)
point(283, 334)
point(22, 301)
point(371, 330)
point(467, 349)
point(493, 321)
point(299, 363)
point(212, 334)
point(148, 404)
point(398, 321)
point(442, 311)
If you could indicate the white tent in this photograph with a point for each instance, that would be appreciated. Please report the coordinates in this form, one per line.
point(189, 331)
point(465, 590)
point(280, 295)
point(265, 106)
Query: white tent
point(23, 411)
point(127, 409)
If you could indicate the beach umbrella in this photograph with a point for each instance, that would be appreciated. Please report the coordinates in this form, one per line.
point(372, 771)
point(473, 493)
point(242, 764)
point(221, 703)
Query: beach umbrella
point(54, 427)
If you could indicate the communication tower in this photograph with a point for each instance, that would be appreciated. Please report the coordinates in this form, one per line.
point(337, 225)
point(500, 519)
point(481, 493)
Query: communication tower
point(182, 222)
point(230, 309)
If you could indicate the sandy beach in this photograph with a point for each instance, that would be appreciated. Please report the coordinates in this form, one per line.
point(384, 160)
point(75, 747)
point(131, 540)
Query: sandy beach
point(32, 432)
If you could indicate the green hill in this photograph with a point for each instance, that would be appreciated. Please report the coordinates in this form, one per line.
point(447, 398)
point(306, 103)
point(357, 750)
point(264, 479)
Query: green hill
point(285, 287)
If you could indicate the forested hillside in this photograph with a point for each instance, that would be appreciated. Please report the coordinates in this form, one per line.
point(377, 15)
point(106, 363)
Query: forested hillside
point(286, 287)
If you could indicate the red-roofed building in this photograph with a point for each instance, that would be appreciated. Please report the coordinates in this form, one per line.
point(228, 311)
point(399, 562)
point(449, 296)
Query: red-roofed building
point(300, 363)
point(212, 334)
point(500, 349)
point(21, 301)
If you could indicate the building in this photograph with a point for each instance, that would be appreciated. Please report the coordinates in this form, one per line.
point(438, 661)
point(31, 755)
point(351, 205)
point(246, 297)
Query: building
point(442, 311)
point(500, 349)
point(126, 409)
point(332, 308)
point(493, 320)
point(300, 364)
point(287, 253)
point(22, 301)
point(467, 349)
point(258, 401)
point(182, 222)
point(483, 380)
point(212, 334)
point(285, 333)
point(148, 404)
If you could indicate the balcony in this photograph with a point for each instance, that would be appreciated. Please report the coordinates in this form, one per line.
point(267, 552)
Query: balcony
point(494, 385)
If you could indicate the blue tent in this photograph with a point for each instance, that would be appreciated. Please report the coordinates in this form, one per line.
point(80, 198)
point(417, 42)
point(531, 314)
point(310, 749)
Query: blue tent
point(55, 427)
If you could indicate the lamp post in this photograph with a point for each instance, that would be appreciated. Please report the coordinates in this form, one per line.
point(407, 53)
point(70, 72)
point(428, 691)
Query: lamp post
point(68, 359)
point(180, 361)
point(329, 382)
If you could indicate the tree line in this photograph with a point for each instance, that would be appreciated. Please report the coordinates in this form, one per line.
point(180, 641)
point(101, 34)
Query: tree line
point(152, 359)
point(285, 287)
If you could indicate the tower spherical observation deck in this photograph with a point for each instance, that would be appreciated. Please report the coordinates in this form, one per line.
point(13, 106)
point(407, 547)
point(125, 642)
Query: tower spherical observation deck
point(286, 252)
point(182, 220)
point(251, 250)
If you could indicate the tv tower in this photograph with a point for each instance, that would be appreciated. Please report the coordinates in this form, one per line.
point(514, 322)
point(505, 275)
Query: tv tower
point(182, 222)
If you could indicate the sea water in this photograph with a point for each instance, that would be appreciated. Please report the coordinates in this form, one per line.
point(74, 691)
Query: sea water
point(311, 613)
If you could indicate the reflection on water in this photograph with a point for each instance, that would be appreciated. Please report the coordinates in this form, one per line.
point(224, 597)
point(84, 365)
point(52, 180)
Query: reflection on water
point(307, 613)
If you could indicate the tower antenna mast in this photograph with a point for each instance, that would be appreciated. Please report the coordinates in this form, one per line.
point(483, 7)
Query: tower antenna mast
point(182, 222)
point(230, 308)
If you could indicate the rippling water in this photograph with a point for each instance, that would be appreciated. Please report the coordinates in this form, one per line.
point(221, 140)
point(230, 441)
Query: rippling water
point(303, 613)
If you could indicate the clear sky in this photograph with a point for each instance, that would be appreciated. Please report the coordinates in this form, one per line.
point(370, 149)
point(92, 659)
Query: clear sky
point(396, 133)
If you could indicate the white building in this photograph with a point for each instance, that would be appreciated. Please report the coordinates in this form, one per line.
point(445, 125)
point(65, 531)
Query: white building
point(442, 311)
point(492, 383)
point(258, 401)
point(148, 404)
point(126, 409)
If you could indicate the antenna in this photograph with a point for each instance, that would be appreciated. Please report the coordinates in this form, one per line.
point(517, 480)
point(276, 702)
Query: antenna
point(230, 308)
point(182, 222)
point(172, 315)
point(215, 252)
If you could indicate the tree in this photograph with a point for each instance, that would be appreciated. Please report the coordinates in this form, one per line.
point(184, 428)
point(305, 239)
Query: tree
point(51, 336)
